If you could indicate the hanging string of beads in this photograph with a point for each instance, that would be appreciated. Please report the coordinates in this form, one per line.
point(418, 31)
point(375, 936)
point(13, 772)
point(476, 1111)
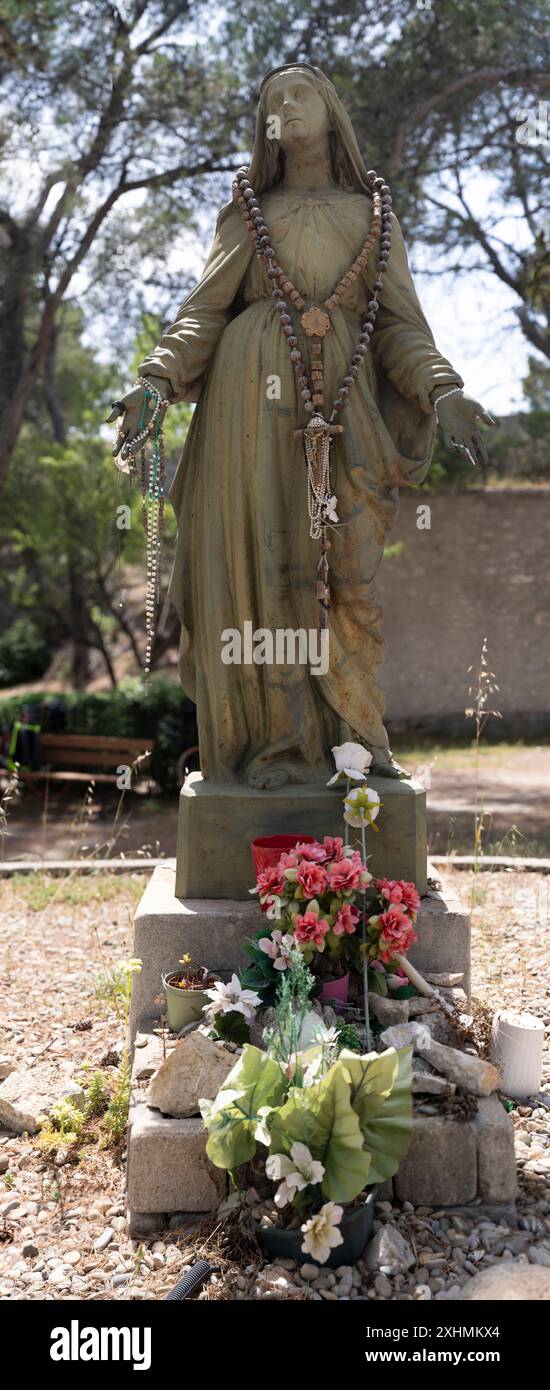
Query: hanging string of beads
point(315, 323)
point(152, 476)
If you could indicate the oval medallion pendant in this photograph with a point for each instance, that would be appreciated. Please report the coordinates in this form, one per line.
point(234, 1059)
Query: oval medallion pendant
point(315, 322)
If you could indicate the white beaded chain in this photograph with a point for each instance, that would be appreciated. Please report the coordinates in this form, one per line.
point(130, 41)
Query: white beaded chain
point(455, 391)
point(319, 491)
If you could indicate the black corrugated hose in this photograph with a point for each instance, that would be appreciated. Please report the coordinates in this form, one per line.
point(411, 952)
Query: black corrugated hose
point(191, 1281)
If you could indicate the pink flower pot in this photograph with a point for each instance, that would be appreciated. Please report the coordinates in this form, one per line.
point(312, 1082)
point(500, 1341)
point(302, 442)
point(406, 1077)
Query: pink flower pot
point(335, 992)
point(266, 852)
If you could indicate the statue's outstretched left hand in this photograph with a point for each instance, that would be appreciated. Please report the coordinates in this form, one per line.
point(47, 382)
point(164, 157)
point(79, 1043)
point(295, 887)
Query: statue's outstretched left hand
point(459, 418)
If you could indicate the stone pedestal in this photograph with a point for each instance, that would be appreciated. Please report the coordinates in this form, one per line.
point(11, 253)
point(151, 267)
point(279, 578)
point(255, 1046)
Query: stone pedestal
point(215, 930)
point(217, 823)
point(449, 1163)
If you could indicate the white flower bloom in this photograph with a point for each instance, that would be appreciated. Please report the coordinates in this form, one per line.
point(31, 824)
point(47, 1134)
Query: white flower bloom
point(352, 760)
point(361, 805)
point(231, 998)
point(331, 510)
point(321, 1234)
point(297, 1172)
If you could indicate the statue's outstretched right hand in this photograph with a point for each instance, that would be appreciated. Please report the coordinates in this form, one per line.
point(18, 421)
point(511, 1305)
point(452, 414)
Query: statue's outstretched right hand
point(134, 416)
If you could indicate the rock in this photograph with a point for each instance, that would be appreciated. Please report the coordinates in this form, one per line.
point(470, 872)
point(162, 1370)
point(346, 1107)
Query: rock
point(6, 1067)
point(195, 1069)
point(389, 1248)
point(422, 1005)
point(104, 1239)
point(427, 1083)
point(4, 1163)
point(29, 1251)
point(446, 980)
point(27, 1094)
point(404, 1035)
point(514, 1281)
point(120, 1279)
point(388, 1011)
point(472, 1073)
point(538, 1255)
point(309, 1271)
point(383, 1286)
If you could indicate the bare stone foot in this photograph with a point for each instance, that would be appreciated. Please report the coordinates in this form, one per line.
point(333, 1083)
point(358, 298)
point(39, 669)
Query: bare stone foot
point(268, 779)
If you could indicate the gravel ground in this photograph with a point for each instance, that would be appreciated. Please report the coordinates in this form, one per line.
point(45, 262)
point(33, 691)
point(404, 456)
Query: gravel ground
point(62, 1227)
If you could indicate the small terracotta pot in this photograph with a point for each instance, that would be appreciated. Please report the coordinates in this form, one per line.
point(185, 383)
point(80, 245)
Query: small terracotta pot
point(355, 1226)
point(336, 992)
point(267, 851)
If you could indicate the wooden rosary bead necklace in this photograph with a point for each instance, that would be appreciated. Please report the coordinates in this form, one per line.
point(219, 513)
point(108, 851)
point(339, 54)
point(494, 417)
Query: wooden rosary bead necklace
point(315, 323)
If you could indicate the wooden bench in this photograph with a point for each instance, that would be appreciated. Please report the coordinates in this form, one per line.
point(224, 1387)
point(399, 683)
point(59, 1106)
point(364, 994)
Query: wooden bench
point(64, 756)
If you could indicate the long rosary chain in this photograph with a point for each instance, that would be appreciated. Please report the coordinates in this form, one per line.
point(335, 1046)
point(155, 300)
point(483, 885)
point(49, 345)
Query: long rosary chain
point(152, 477)
point(315, 323)
point(250, 208)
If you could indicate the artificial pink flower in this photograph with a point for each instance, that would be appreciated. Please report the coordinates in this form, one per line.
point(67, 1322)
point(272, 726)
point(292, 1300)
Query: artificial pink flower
point(398, 893)
point(334, 846)
point(310, 928)
point(277, 947)
point(270, 881)
point(313, 854)
point(313, 879)
point(397, 934)
point(346, 920)
point(344, 875)
point(411, 897)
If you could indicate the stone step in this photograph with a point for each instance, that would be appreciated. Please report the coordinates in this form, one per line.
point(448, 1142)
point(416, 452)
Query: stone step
point(214, 931)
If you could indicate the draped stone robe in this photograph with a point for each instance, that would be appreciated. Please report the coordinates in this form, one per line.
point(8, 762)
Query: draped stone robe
point(244, 551)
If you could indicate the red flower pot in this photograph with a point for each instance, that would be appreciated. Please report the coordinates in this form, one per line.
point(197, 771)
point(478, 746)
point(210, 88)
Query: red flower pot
point(335, 992)
point(266, 852)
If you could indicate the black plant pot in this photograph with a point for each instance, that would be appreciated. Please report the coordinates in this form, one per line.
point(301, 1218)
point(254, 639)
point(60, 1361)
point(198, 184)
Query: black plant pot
point(355, 1227)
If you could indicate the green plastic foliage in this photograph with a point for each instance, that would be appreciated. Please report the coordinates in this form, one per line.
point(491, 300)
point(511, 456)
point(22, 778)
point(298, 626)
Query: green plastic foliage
point(387, 1132)
point(357, 1120)
point(322, 1117)
point(231, 1118)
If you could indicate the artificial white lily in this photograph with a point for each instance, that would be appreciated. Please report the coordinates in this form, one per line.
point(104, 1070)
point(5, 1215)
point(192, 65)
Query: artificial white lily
point(321, 1234)
point(299, 1171)
point(231, 998)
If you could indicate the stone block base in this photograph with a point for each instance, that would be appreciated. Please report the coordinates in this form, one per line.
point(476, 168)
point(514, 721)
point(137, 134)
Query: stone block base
point(168, 1171)
point(171, 1182)
point(214, 931)
point(452, 1163)
point(217, 823)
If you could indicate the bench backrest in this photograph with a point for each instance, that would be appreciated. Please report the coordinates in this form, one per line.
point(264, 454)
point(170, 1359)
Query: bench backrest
point(93, 750)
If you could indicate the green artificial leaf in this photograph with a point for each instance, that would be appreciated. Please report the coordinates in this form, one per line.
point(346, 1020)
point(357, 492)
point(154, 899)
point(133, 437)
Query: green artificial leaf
point(231, 1119)
point(378, 983)
point(372, 1077)
point(387, 1134)
point(232, 1027)
point(323, 1117)
point(405, 992)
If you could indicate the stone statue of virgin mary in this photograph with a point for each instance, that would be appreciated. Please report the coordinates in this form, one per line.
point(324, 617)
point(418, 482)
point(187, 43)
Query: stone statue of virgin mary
point(244, 552)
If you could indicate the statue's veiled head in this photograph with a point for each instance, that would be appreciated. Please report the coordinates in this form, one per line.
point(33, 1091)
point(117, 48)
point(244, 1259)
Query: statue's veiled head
point(298, 107)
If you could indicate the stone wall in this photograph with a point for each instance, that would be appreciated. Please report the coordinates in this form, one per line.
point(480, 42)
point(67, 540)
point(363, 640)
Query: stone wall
point(482, 569)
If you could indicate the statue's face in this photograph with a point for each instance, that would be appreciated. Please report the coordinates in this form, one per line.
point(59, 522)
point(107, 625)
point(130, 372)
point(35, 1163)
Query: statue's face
point(300, 108)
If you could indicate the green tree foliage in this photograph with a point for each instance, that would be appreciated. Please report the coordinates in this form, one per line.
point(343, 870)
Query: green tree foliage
point(121, 120)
